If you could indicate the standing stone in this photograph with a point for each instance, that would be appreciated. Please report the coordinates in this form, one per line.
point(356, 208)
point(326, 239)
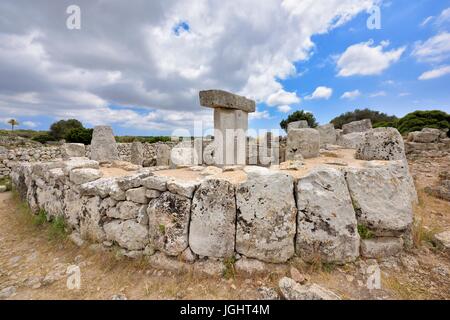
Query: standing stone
point(302, 124)
point(137, 153)
point(357, 126)
point(381, 144)
point(326, 221)
point(103, 144)
point(169, 223)
point(162, 155)
point(327, 134)
point(70, 150)
point(305, 142)
point(213, 217)
point(266, 214)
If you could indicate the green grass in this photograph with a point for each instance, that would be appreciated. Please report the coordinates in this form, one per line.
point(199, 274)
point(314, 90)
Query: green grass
point(39, 219)
point(162, 229)
point(230, 271)
point(364, 232)
point(6, 182)
point(57, 229)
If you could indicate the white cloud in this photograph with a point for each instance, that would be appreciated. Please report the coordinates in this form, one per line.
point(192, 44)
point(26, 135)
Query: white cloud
point(378, 94)
point(320, 93)
point(365, 59)
point(435, 50)
point(282, 97)
point(144, 64)
point(350, 95)
point(284, 109)
point(426, 21)
point(404, 94)
point(444, 17)
point(435, 73)
point(30, 124)
point(259, 115)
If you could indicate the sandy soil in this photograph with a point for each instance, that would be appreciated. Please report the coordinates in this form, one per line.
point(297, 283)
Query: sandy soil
point(28, 255)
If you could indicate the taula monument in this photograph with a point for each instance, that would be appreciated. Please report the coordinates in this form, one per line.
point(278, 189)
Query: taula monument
point(186, 217)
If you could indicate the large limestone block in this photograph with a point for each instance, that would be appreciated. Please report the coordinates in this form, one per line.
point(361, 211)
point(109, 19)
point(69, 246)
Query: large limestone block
point(184, 155)
point(70, 150)
point(137, 195)
point(305, 142)
point(124, 210)
point(80, 176)
point(327, 134)
point(132, 181)
point(182, 187)
point(213, 217)
point(302, 124)
point(128, 234)
point(266, 215)
point(169, 223)
point(351, 140)
point(75, 163)
point(73, 208)
point(292, 290)
point(156, 183)
point(137, 153)
point(103, 144)
point(91, 220)
point(326, 221)
point(382, 198)
point(382, 144)
point(102, 187)
point(162, 155)
point(226, 100)
point(357, 126)
point(427, 135)
point(381, 247)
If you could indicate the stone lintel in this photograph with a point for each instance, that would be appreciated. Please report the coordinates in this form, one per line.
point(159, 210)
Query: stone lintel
point(226, 100)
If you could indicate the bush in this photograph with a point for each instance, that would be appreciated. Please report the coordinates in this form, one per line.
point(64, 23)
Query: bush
point(61, 128)
point(418, 120)
point(43, 138)
point(297, 116)
point(377, 118)
point(79, 135)
point(129, 139)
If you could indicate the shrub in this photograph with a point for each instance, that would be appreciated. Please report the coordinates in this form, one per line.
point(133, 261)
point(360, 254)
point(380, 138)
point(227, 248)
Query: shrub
point(417, 120)
point(61, 128)
point(297, 116)
point(79, 135)
point(154, 139)
point(379, 119)
point(43, 138)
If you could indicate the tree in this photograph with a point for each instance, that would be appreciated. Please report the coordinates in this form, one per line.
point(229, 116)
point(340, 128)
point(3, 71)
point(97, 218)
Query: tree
point(297, 116)
point(359, 114)
point(61, 128)
point(79, 135)
point(417, 120)
point(13, 122)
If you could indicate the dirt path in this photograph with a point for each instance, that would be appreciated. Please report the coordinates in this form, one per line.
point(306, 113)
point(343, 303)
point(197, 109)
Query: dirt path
point(33, 266)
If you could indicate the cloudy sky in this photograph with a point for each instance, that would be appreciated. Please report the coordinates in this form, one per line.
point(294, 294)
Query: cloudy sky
point(138, 65)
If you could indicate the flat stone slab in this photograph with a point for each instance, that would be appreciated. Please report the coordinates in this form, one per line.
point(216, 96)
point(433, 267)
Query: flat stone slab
point(226, 100)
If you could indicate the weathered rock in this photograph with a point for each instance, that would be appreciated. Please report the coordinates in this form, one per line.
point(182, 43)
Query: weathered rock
point(268, 294)
point(427, 135)
point(188, 256)
point(128, 234)
point(76, 239)
point(443, 240)
point(381, 144)
point(7, 292)
point(73, 163)
point(163, 155)
point(80, 176)
point(382, 198)
point(103, 144)
point(70, 150)
point(357, 126)
point(182, 187)
point(266, 214)
point(73, 208)
point(226, 100)
point(327, 134)
point(169, 223)
point(158, 183)
point(124, 210)
point(302, 124)
point(101, 187)
point(183, 155)
point(351, 140)
point(297, 276)
point(137, 153)
point(137, 195)
point(213, 216)
point(291, 290)
point(303, 141)
point(162, 262)
point(326, 221)
point(132, 181)
point(250, 267)
point(381, 247)
point(210, 268)
point(152, 194)
point(90, 221)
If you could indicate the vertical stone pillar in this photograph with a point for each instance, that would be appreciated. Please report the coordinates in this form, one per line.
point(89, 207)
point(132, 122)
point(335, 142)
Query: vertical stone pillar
point(230, 124)
point(103, 144)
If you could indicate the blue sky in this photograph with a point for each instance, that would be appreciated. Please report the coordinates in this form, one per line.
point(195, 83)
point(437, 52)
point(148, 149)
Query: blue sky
point(143, 78)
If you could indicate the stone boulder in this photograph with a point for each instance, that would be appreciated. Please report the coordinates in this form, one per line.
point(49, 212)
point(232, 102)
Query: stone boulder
point(326, 221)
point(67, 166)
point(182, 187)
point(70, 150)
point(351, 140)
point(292, 290)
point(381, 144)
point(213, 216)
point(327, 134)
point(137, 153)
point(303, 141)
point(127, 234)
point(266, 215)
point(169, 223)
point(357, 126)
point(302, 124)
point(80, 176)
point(427, 135)
point(103, 144)
point(381, 247)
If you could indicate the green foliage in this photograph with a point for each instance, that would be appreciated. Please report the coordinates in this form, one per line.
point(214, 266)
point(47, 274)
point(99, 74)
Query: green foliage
point(297, 116)
point(40, 218)
point(128, 139)
point(6, 182)
point(230, 271)
point(364, 232)
point(43, 138)
point(79, 135)
point(57, 228)
point(61, 128)
point(360, 114)
point(417, 120)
